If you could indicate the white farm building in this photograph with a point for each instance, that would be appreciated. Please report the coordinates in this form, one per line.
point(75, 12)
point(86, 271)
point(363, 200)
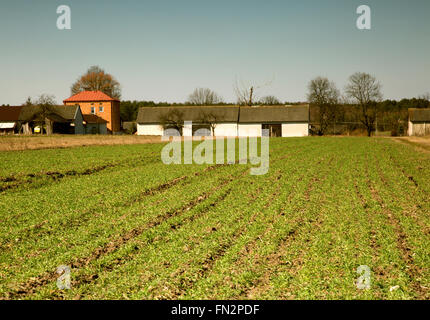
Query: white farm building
point(224, 121)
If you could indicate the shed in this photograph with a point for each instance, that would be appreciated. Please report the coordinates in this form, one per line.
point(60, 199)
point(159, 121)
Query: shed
point(94, 124)
point(9, 119)
point(419, 122)
point(58, 119)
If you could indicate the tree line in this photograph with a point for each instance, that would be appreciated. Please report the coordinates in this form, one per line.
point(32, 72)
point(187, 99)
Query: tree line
point(332, 111)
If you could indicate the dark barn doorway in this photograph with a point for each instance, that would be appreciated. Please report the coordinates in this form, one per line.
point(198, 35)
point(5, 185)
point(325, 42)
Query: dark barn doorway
point(62, 128)
point(204, 130)
point(275, 130)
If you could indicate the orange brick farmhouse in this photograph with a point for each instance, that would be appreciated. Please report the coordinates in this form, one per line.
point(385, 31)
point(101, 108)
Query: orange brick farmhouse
point(99, 104)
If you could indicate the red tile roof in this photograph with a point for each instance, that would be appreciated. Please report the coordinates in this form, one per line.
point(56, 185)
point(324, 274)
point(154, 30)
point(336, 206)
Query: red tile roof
point(9, 114)
point(90, 96)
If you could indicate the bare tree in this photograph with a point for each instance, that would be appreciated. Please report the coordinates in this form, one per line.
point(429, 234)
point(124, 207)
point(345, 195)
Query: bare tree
point(45, 102)
point(174, 119)
point(245, 92)
point(270, 101)
point(366, 91)
point(204, 97)
point(28, 102)
point(324, 94)
point(95, 79)
point(425, 96)
point(211, 119)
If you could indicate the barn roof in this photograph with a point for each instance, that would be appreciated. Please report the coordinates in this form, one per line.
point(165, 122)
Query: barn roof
point(194, 113)
point(56, 113)
point(274, 114)
point(419, 115)
point(90, 96)
point(9, 114)
point(92, 118)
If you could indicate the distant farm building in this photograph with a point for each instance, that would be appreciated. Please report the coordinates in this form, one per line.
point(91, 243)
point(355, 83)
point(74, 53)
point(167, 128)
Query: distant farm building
point(419, 122)
point(55, 119)
point(94, 124)
point(9, 119)
point(98, 104)
point(224, 121)
point(49, 119)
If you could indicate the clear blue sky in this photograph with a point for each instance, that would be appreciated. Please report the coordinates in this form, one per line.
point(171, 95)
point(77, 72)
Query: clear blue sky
point(162, 50)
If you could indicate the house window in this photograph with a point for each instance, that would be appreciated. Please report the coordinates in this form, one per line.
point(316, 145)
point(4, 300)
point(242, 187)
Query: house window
point(93, 110)
point(101, 108)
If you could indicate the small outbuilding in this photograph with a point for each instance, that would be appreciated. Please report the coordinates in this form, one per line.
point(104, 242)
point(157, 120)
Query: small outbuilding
point(9, 120)
point(419, 122)
point(94, 124)
point(54, 119)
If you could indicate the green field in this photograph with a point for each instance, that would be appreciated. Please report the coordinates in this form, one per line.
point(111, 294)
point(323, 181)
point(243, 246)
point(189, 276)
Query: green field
point(131, 227)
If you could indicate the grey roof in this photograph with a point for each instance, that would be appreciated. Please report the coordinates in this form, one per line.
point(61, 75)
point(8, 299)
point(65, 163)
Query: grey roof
point(266, 114)
point(194, 113)
point(274, 114)
point(419, 115)
point(56, 113)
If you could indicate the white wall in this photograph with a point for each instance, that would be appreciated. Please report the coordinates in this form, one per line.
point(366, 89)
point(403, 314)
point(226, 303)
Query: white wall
point(295, 129)
point(226, 130)
point(187, 130)
point(230, 130)
point(410, 128)
point(149, 129)
point(250, 130)
point(419, 128)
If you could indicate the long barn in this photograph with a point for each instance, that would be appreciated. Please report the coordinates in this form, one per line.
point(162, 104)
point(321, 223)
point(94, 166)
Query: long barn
point(226, 121)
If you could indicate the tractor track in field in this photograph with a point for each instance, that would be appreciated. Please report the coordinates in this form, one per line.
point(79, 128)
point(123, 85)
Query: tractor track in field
point(13, 182)
point(408, 176)
point(183, 284)
point(248, 248)
point(374, 245)
point(268, 203)
point(53, 175)
point(412, 199)
point(401, 240)
point(366, 207)
point(83, 217)
point(208, 263)
point(85, 279)
point(31, 286)
point(275, 260)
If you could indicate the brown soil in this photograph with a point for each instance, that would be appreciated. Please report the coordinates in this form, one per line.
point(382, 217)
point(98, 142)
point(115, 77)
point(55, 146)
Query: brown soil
point(12, 143)
point(421, 143)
